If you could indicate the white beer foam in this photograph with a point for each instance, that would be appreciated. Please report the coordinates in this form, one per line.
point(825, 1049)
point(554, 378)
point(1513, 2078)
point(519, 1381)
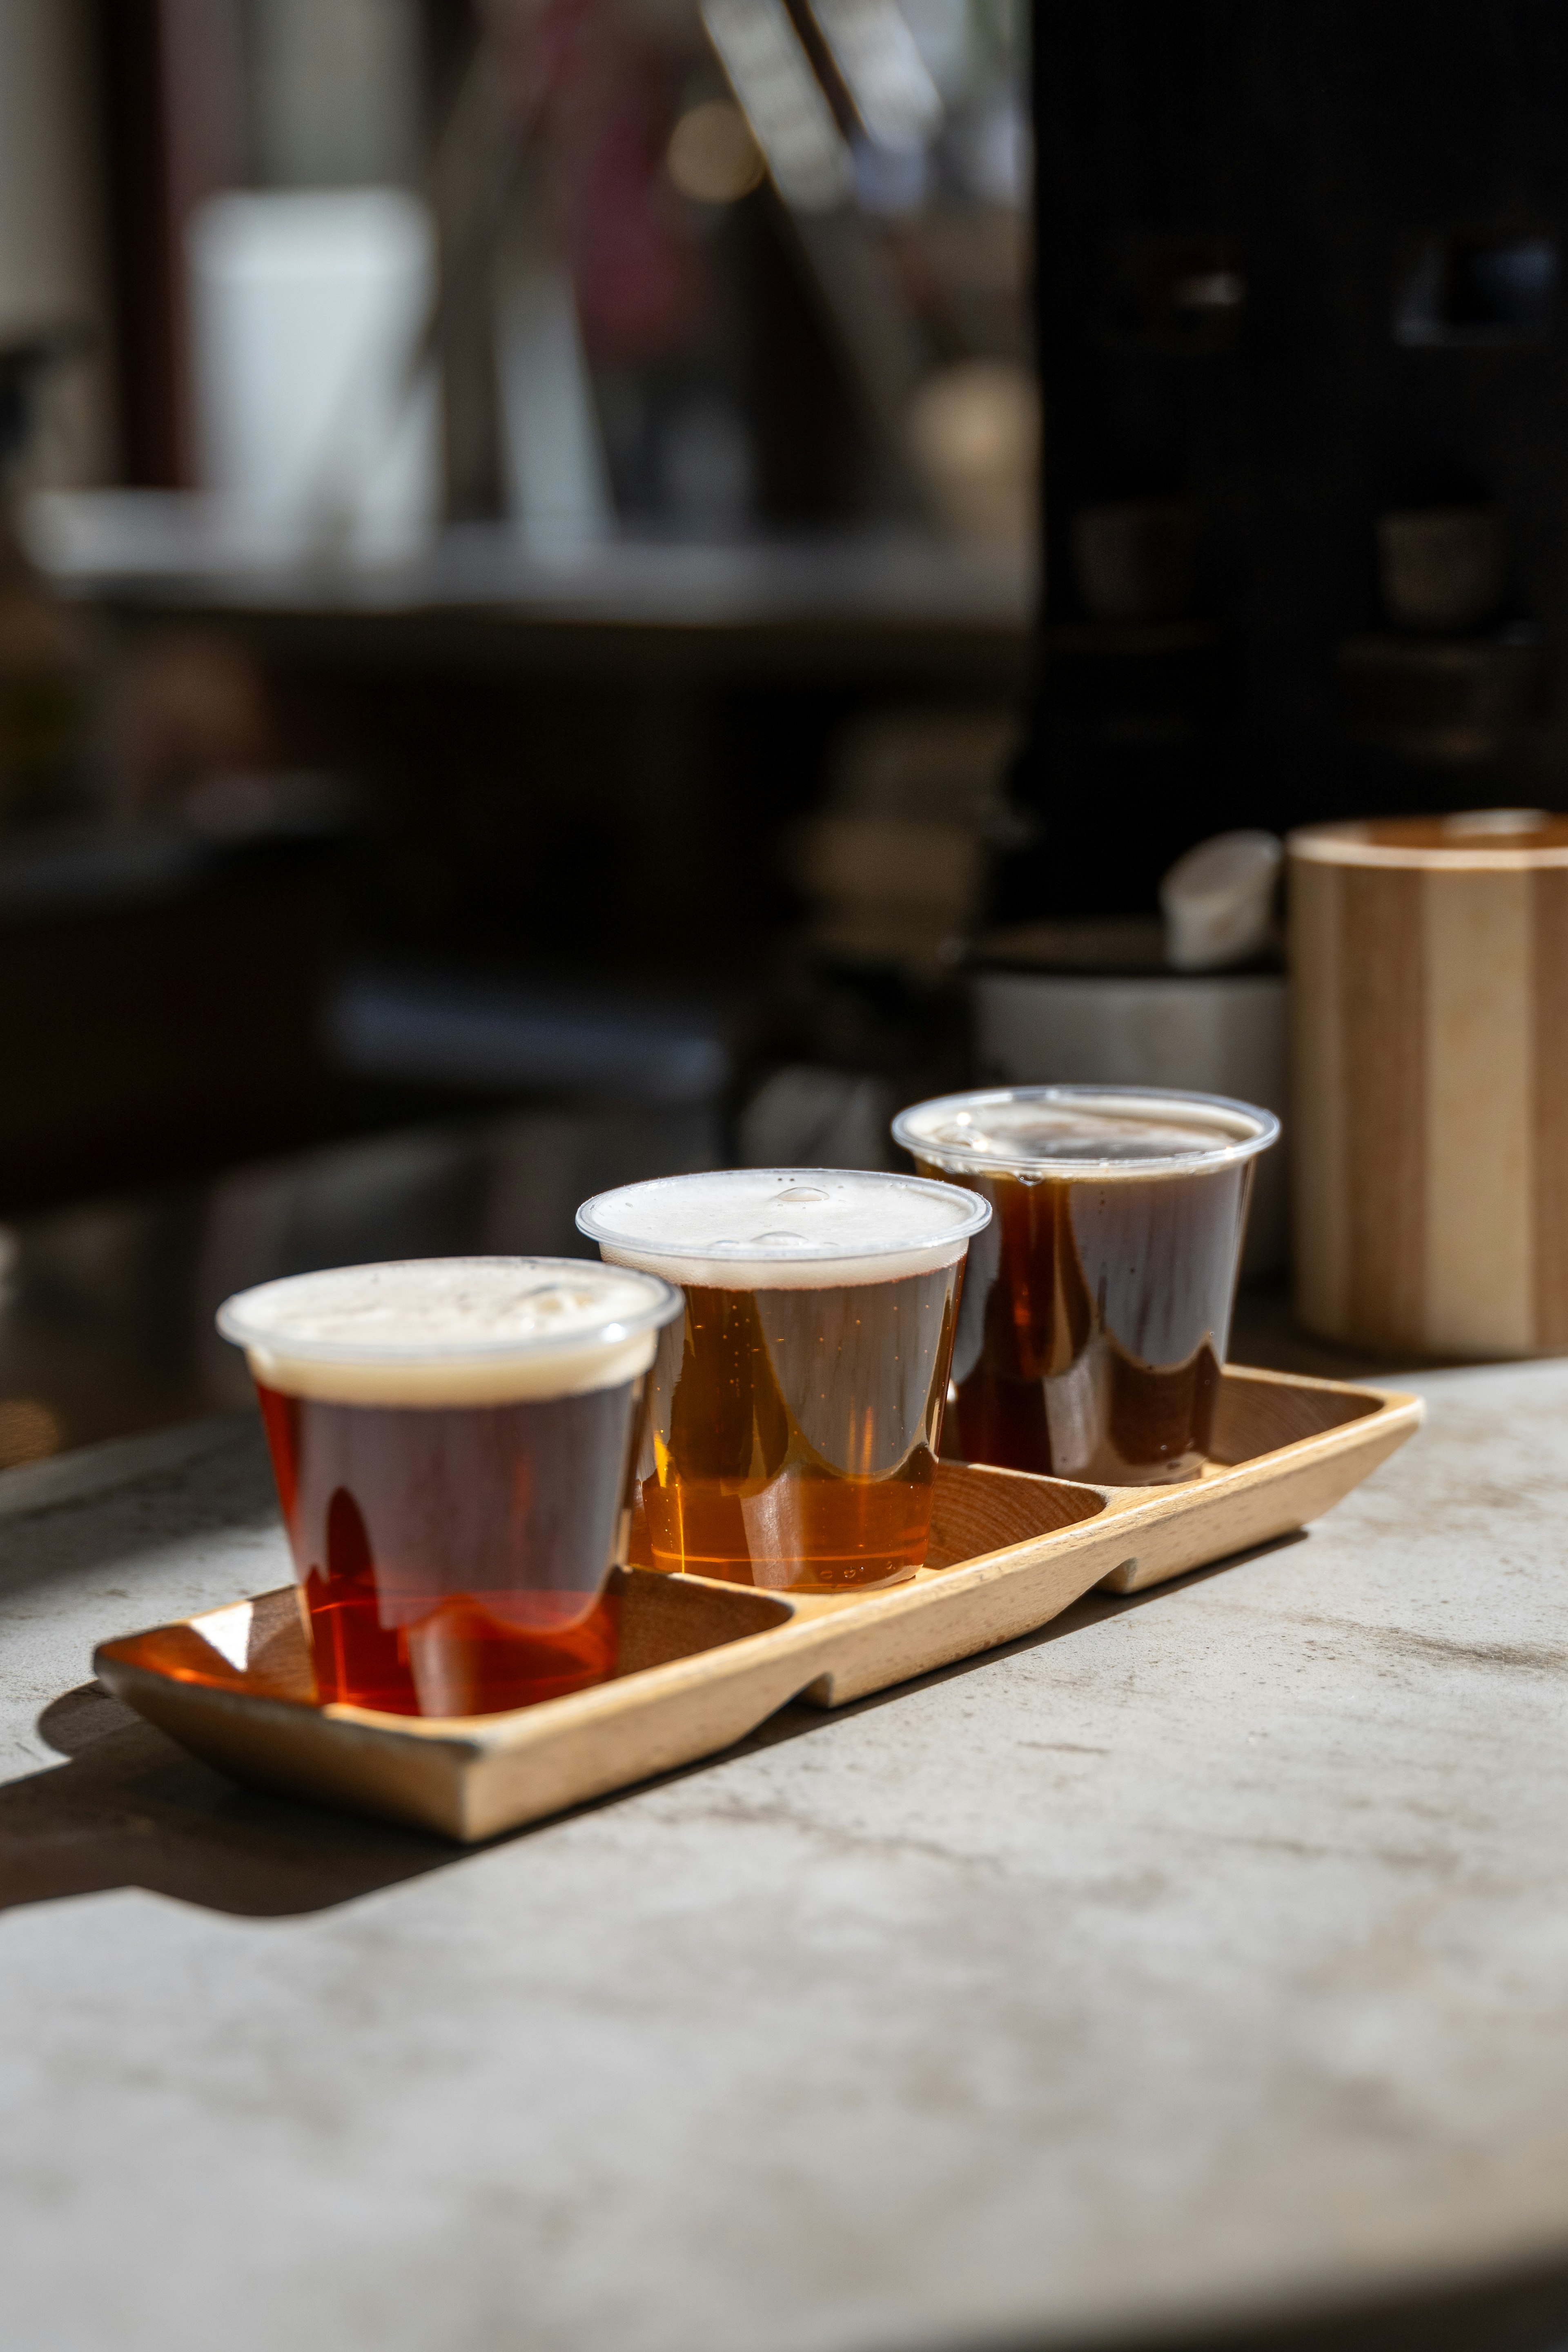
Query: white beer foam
point(784, 1228)
point(450, 1331)
point(1129, 1134)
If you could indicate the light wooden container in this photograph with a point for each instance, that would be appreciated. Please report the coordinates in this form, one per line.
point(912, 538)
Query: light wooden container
point(701, 1664)
point(1430, 984)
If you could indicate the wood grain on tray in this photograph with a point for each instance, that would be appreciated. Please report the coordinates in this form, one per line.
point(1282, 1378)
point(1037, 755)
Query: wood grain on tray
point(701, 1664)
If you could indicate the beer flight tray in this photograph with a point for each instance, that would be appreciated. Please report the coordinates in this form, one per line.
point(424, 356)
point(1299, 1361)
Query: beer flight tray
point(701, 1664)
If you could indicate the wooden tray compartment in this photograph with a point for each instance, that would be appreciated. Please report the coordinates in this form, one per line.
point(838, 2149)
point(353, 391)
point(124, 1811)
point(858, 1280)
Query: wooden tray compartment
point(701, 1664)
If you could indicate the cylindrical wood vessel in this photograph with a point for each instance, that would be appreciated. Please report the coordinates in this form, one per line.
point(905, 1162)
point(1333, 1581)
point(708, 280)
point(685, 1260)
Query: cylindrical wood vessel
point(1430, 984)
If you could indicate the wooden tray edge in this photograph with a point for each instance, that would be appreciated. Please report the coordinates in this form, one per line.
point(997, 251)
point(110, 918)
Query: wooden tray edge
point(1275, 1493)
point(472, 1777)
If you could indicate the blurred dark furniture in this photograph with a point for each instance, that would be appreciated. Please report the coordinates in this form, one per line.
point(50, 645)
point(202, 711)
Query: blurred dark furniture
point(162, 1010)
point(1304, 267)
point(582, 766)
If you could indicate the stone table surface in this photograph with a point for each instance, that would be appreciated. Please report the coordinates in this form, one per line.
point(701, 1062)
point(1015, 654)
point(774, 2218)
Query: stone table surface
point(1205, 1954)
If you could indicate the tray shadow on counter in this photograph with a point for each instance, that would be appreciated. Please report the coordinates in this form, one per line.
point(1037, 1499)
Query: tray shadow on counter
point(704, 1664)
point(131, 1809)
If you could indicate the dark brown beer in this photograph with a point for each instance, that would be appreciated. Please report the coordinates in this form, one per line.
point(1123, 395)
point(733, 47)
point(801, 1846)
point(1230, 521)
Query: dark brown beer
point(453, 1440)
point(795, 1409)
point(1096, 1304)
point(793, 1433)
point(453, 1559)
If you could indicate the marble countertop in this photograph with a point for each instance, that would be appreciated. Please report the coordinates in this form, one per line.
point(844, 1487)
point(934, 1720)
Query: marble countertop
point(1202, 1959)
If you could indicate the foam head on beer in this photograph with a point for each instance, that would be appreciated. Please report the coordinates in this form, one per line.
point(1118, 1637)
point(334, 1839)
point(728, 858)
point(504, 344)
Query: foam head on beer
point(784, 1228)
point(450, 1331)
point(1077, 1127)
point(451, 1440)
point(795, 1411)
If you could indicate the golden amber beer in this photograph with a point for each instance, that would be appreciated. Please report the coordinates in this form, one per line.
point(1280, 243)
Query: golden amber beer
point(795, 1411)
point(451, 1439)
point(1098, 1303)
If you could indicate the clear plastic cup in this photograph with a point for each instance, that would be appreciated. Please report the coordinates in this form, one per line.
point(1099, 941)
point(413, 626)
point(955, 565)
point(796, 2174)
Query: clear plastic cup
point(452, 1439)
point(796, 1411)
point(1097, 1304)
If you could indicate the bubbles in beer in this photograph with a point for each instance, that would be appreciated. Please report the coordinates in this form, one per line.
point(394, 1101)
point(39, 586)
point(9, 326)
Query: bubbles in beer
point(416, 1303)
point(1075, 1130)
point(839, 1226)
point(450, 1331)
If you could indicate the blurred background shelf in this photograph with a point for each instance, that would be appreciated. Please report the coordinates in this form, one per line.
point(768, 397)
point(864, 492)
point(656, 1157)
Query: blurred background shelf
point(522, 571)
point(177, 552)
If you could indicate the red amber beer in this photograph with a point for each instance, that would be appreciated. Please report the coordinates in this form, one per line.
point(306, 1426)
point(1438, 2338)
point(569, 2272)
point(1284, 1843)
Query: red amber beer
point(452, 1440)
point(1098, 1303)
point(795, 1411)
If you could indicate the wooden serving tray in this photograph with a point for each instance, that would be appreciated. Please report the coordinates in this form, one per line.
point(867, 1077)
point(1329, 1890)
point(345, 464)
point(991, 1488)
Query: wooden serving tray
point(701, 1664)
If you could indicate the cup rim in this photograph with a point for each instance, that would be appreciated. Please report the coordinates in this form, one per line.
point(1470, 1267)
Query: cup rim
point(591, 1221)
point(1468, 849)
point(1265, 1125)
point(234, 1323)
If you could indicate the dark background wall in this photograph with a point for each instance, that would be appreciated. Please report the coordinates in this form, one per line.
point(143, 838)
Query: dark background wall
point(1387, 183)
